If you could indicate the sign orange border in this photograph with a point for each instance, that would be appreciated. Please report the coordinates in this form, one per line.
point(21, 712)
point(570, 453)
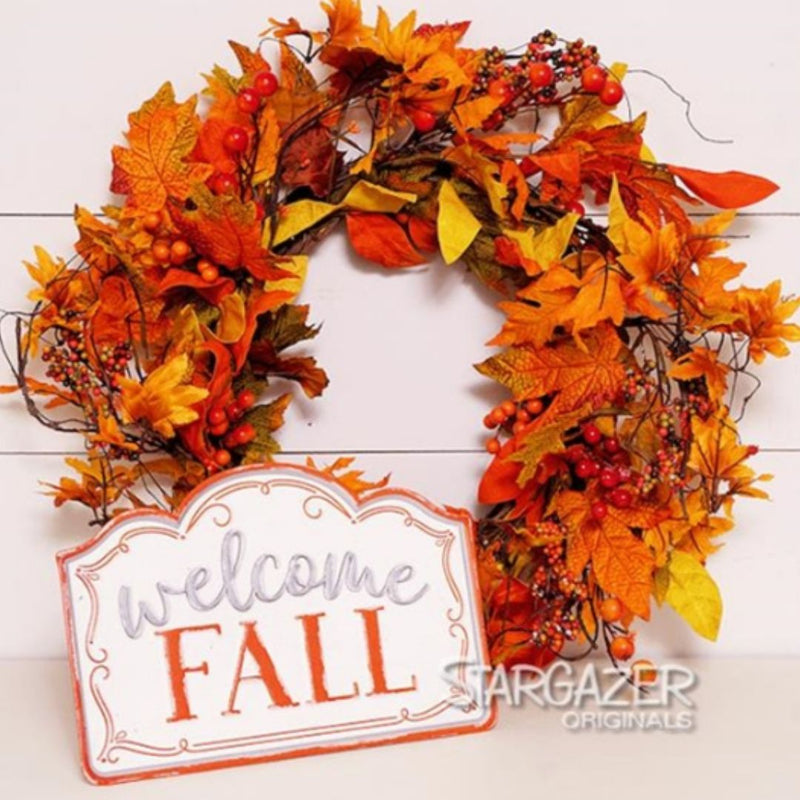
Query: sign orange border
point(459, 515)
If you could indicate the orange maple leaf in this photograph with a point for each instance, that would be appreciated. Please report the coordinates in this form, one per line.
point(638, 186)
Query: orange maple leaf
point(154, 168)
point(577, 376)
point(227, 231)
point(621, 561)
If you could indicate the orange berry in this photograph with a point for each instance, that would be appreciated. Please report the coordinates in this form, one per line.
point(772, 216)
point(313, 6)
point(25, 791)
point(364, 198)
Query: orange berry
point(209, 273)
point(644, 671)
point(621, 648)
point(498, 415)
point(179, 252)
point(151, 221)
point(489, 422)
point(161, 251)
point(534, 407)
point(509, 408)
point(222, 458)
point(611, 610)
point(493, 446)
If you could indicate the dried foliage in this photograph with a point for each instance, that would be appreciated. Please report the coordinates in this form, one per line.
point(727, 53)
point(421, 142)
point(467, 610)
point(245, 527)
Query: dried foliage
point(616, 458)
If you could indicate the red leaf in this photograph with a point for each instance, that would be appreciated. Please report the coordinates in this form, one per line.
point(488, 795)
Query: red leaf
point(212, 292)
point(725, 189)
point(380, 238)
point(499, 482)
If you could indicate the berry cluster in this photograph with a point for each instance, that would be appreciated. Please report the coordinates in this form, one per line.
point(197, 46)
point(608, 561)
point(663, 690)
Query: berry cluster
point(602, 461)
point(225, 425)
point(512, 418)
point(86, 373)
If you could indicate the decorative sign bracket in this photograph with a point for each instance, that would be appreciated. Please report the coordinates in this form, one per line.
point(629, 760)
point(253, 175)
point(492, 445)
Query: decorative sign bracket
point(276, 616)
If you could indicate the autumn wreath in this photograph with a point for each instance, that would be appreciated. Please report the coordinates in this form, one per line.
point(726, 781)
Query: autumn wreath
point(615, 459)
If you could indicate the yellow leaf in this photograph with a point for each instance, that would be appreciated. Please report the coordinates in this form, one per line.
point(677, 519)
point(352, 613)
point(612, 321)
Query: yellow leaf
point(44, 272)
point(364, 196)
point(268, 145)
point(162, 400)
point(298, 266)
point(456, 225)
point(694, 595)
point(232, 321)
point(542, 250)
point(300, 216)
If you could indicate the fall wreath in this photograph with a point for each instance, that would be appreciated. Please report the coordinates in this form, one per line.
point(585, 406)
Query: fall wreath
point(615, 459)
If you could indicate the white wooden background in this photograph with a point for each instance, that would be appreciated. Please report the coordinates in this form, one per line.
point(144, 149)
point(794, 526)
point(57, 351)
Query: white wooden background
point(399, 347)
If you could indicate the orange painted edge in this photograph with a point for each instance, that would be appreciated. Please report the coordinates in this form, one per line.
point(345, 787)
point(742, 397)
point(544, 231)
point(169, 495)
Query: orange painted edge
point(457, 514)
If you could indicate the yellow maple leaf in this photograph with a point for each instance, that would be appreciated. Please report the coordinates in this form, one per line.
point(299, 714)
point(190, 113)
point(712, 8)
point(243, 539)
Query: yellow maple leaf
point(703, 363)
point(542, 249)
point(153, 168)
point(44, 272)
point(762, 315)
point(163, 400)
point(456, 225)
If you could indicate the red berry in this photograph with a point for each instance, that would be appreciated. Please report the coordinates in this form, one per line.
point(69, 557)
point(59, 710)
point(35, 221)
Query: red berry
point(599, 510)
point(493, 445)
point(235, 139)
point(611, 610)
point(222, 458)
point(225, 183)
point(248, 101)
point(576, 208)
point(621, 648)
point(752, 449)
point(621, 498)
point(234, 411)
point(265, 83)
point(217, 416)
point(246, 399)
point(612, 446)
point(611, 93)
point(541, 74)
point(244, 433)
point(609, 478)
point(591, 434)
point(422, 120)
point(219, 430)
point(593, 79)
point(586, 468)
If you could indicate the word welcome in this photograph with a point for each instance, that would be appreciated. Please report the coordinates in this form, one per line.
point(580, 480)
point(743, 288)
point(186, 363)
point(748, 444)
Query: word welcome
point(300, 576)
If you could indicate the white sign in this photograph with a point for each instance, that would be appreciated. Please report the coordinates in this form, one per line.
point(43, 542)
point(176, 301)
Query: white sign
point(274, 617)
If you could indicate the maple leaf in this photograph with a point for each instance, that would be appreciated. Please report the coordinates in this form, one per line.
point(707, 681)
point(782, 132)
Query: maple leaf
point(227, 231)
point(351, 480)
point(703, 363)
point(621, 561)
point(718, 455)
point(761, 316)
point(576, 376)
point(298, 93)
point(266, 419)
point(345, 26)
point(154, 167)
point(45, 272)
point(100, 483)
point(538, 251)
point(163, 400)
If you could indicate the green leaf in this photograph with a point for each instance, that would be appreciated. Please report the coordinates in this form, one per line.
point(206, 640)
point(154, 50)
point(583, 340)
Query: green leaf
point(265, 419)
point(694, 595)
